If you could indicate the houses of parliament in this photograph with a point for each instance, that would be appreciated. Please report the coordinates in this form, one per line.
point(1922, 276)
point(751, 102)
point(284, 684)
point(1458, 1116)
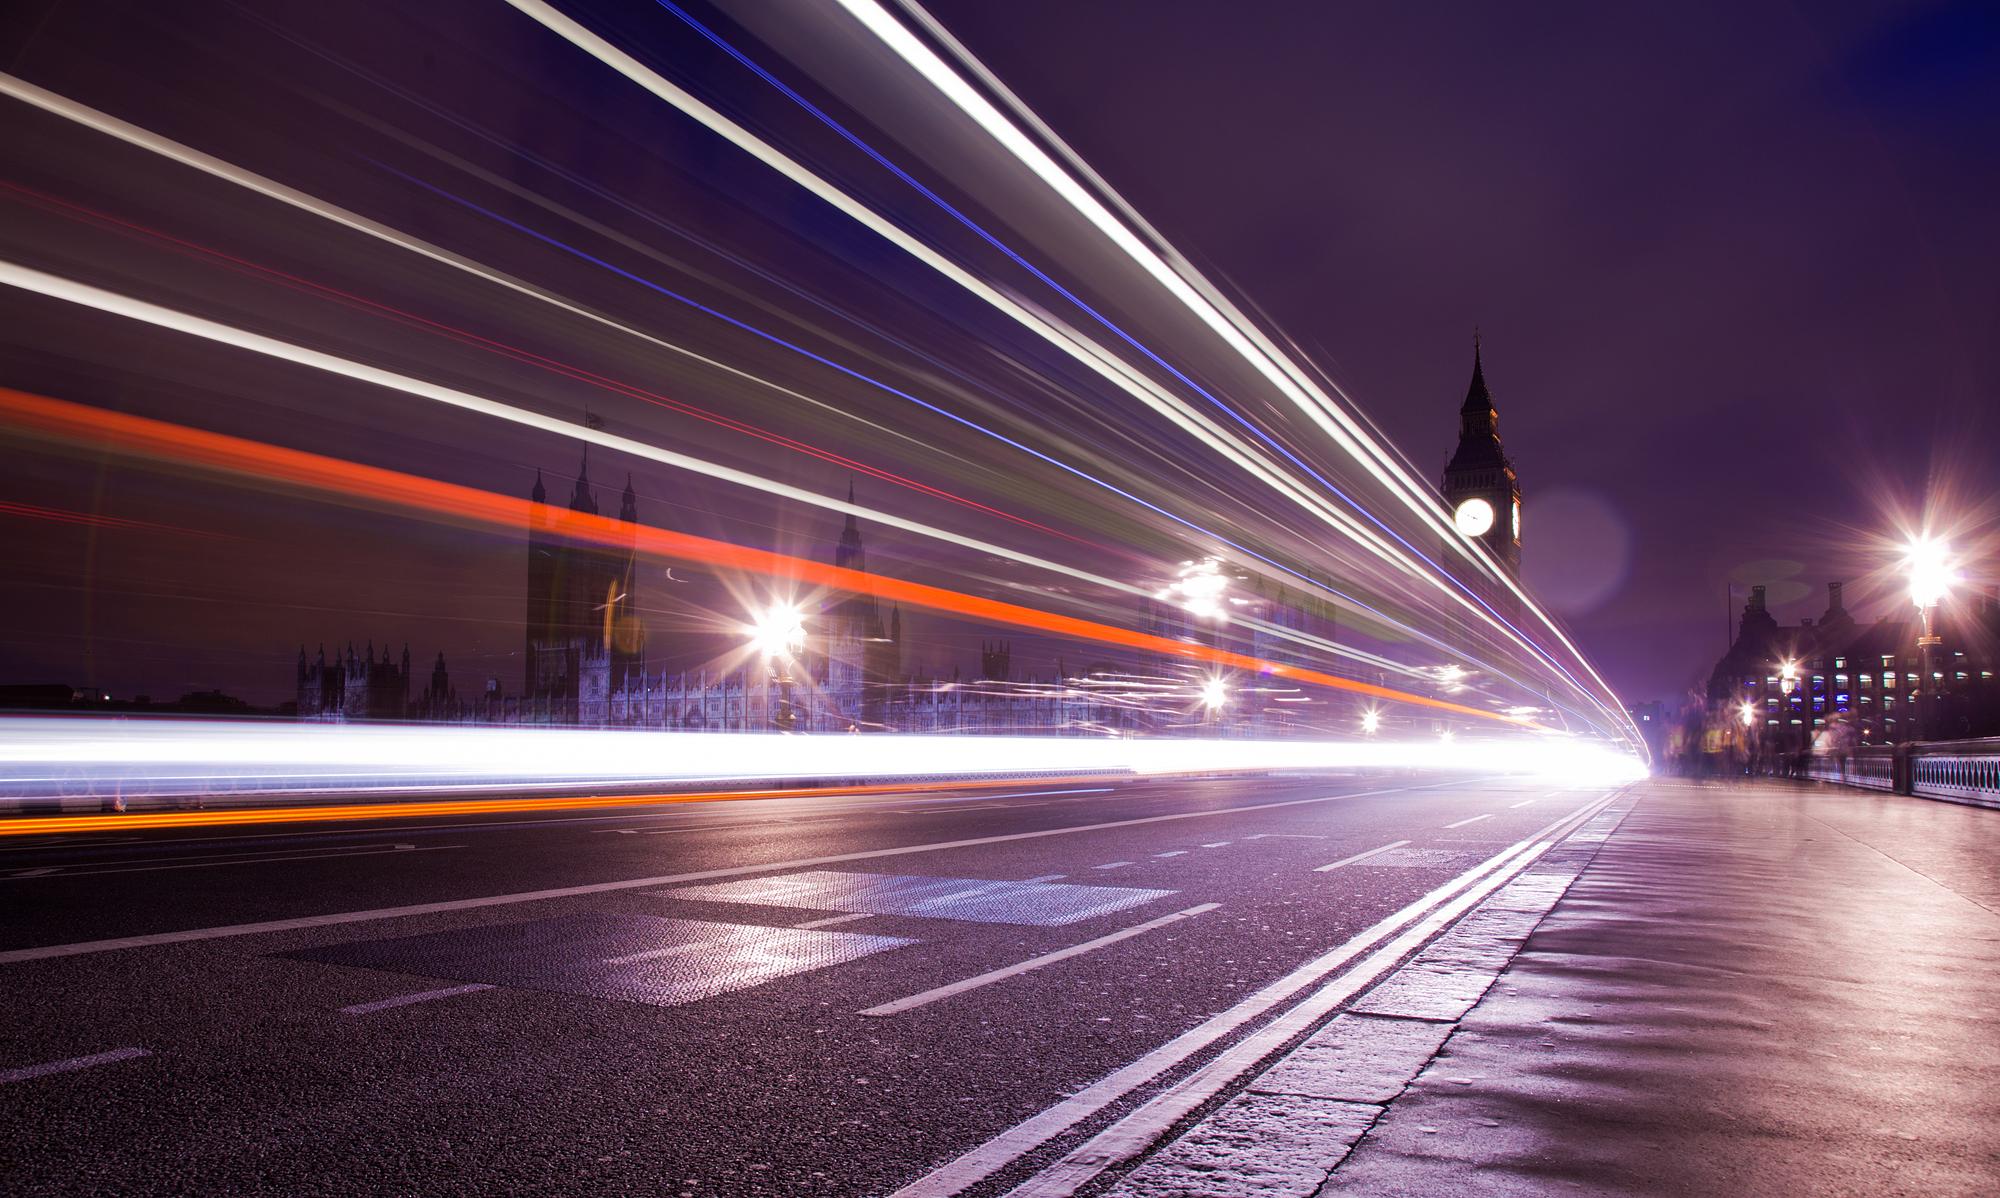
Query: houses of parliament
point(584, 645)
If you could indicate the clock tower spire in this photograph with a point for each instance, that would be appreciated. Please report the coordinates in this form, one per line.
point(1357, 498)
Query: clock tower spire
point(1479, 483)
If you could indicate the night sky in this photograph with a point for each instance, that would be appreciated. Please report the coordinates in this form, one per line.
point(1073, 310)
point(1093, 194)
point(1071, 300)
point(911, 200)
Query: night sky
point(1734, 271)
point(1735, 265)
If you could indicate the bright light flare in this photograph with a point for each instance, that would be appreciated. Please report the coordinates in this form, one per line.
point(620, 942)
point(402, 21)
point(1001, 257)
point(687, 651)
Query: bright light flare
point(1215, 694)
point(1371, 721)
point(1932, 575)
point(1747, 714)
point(779, 630)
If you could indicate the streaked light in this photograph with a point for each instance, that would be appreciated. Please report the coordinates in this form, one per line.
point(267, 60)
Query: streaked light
point(150, 767)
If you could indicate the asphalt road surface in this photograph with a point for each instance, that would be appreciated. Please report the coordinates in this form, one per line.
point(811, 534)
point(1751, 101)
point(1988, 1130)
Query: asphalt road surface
point(825, 995)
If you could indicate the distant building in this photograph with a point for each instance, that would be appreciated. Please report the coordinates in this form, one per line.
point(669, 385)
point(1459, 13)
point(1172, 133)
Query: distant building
point(1479, 486)
point(1797, 681)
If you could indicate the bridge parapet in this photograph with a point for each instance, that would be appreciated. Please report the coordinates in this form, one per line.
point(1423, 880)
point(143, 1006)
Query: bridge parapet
point(1965, 771)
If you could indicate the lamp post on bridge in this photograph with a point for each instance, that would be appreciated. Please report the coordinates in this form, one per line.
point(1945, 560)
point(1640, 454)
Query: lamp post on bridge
point(1931, 576)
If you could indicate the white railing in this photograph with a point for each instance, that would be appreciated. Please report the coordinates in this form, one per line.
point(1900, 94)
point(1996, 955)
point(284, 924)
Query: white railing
point(1966, 771)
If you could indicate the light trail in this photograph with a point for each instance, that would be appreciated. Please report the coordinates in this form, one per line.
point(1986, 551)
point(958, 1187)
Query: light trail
point(1207, 304)
point(216, 451)
point(144, 761)
point(518, 354)
point(187, 156)
point(155, 143)
point(1344, 432)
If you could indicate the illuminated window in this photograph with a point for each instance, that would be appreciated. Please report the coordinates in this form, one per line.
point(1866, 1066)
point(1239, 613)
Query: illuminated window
point(1840, 680)
point(1868, 680)
point(1840, 663)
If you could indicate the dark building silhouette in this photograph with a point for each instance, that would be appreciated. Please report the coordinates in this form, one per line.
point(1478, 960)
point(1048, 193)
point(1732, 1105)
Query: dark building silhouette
point(1479, 486)
point(584, 638)
point(354, 686)
point(1859, 679)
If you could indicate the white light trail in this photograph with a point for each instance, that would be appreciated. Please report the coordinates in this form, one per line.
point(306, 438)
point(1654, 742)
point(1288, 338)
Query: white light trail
point(1230, 325)
point(1348, 435)
point(43, 759)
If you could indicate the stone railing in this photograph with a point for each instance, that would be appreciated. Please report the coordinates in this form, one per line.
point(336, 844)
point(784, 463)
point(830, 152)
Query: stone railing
point(1964, 771)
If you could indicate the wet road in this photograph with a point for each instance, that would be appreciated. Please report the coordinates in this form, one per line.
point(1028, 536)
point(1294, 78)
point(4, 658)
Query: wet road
point(817, 995)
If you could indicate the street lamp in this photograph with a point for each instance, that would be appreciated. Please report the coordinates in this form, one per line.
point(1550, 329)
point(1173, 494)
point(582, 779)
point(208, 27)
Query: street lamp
point(1931, 576)
point(1747, 714)
point(1371, 721)
point(1215, 694)
point(1788, 676)
point(776, 633)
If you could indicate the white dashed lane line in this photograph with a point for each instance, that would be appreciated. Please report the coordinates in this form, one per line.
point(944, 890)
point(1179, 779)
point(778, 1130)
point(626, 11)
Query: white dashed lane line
point(1470, 820)
point(1396, 844)
point(1522, 803)
point(830, 920)
point(1218, 844)
point(986, 979)
point(30, 1072)
point(1174, 853)
point(404, 1000)
point(1112, 865)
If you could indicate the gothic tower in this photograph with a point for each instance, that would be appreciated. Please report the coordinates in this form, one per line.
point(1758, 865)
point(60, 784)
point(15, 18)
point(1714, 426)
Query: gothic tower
point(1479, 483)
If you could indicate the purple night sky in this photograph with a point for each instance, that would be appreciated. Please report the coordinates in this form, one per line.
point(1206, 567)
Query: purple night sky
point(1734, 267)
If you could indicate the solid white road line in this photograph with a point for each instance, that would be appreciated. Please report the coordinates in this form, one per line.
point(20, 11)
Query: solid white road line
point(1002, 1150)
point(1075, 950)
point(1472, 820)
point(83, 947)
point(830, 920)
point(404, 1000)
point(1395, 844)
point(28, 1072)
point(1140, 1130)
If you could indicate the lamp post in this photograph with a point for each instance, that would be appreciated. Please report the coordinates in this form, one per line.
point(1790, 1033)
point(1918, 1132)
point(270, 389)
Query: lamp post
point(1929, 561)
point(777, 634)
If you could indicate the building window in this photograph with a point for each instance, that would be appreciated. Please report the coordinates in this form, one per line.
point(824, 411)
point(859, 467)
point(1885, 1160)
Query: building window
point(1868, 680)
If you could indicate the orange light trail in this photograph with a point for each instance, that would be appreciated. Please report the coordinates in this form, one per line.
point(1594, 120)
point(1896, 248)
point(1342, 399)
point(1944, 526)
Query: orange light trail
point(144, 437)
point(344, 812)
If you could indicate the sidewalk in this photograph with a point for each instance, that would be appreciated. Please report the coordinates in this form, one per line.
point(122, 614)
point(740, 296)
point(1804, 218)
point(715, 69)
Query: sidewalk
point(1766, 989)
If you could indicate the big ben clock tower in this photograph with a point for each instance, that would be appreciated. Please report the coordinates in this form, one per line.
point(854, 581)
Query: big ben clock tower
point(1479, 483)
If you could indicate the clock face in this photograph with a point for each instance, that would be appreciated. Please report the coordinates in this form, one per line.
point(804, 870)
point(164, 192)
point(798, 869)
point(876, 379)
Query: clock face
point(1473, 517)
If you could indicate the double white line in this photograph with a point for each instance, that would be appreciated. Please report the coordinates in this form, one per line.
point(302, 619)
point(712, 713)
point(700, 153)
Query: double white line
point(1338, 975)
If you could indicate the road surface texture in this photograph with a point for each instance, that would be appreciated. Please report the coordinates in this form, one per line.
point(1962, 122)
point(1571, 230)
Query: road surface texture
point(1761, 989)
point(1129, 987)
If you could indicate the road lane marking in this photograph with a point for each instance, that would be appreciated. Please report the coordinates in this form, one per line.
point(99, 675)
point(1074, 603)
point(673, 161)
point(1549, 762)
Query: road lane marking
point(84, 947)
point(404, 1000)
point(1523, 803)
point(1112, 865)
point(1470, 820)
point(1075, 950)
point(29, 1072)
point(1414, 921)
point(1218, 844)
point(1175, 853)
point(34, 873)
point(830, 920)
point(1139, 1131)
point(1283, 836)
point(1394, 844)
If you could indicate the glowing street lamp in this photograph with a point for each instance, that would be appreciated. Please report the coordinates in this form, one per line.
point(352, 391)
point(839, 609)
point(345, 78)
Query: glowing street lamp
point(1788, 676)
point(778, 631)
point(1215, 694)
point(1371, 721)
point(1747, 714)
point(1931, 578)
